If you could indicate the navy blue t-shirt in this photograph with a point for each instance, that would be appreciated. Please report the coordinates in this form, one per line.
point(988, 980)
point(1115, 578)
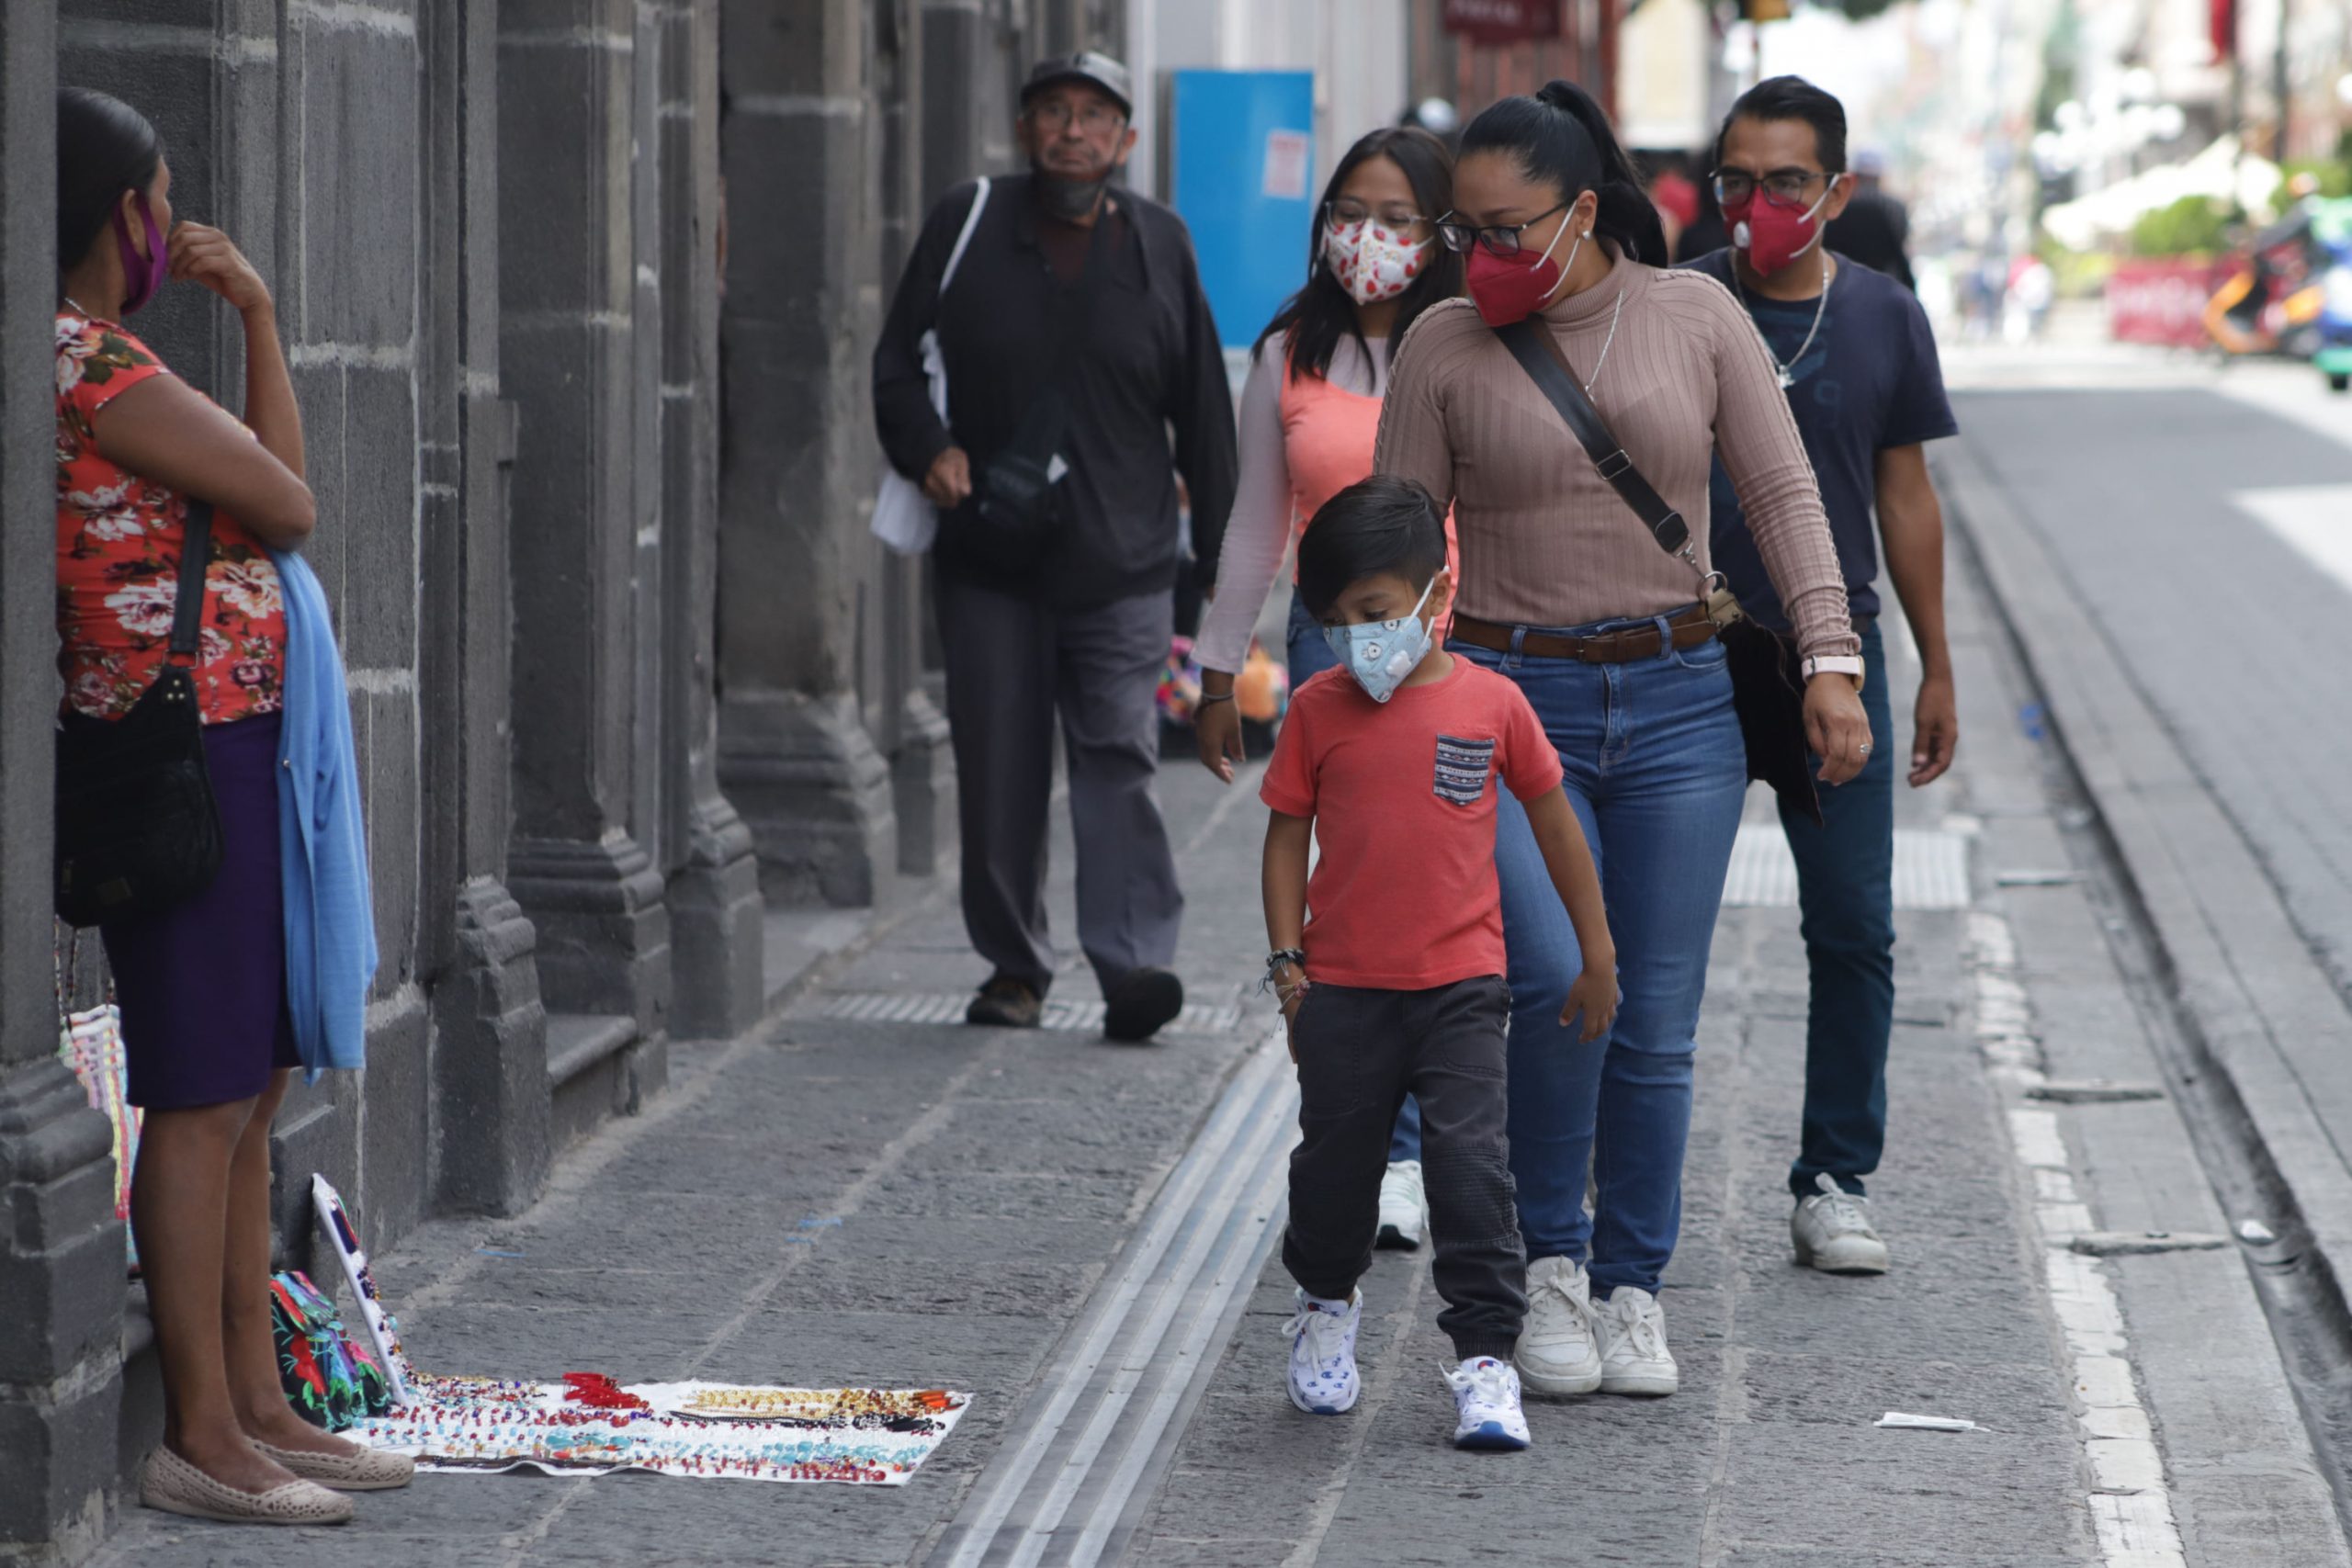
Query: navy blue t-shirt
point(1870, 380)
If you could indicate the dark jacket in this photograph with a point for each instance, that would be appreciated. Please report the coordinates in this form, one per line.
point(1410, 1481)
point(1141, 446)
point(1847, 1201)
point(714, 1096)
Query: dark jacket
point(1149, 367)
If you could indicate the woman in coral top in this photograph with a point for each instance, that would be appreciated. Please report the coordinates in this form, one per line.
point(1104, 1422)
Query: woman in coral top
point(1310, 412)
point(202, 985)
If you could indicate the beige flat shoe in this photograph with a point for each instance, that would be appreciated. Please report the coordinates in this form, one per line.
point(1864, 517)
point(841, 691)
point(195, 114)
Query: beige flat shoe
point(369, 1470)
point(174, 1487)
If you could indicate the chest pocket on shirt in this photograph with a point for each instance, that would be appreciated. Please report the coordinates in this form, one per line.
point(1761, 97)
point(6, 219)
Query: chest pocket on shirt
point(1463, 767)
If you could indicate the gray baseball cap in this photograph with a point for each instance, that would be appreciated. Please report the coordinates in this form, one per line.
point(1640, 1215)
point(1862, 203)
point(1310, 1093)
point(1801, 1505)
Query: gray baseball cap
point(1095, 70)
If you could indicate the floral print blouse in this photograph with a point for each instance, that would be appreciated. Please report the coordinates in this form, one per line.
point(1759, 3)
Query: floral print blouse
point(118, 558)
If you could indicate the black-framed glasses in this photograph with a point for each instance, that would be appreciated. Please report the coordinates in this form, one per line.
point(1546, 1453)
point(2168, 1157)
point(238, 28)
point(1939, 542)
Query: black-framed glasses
point(1094, 119)
point(1781, 187)
point(1346, 213)
point(1500, 238)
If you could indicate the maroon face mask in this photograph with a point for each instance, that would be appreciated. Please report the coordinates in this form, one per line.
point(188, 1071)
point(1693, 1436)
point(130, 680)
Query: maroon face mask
point(141, 275)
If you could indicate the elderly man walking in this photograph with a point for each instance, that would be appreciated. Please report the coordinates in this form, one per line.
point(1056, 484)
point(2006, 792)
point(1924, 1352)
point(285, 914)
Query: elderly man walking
point(1083, 375)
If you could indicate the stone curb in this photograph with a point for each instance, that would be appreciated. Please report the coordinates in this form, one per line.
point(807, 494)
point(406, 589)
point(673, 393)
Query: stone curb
point(2267, 1019)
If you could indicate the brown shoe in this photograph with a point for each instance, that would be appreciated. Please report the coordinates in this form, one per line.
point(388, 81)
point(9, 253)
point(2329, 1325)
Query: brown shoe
point(366, 1470)
point(173, 1486)
point(1006, 1003)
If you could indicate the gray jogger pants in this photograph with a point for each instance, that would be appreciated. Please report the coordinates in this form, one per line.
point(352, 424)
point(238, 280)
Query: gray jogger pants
point(1359, 1053)
point(1014, 665)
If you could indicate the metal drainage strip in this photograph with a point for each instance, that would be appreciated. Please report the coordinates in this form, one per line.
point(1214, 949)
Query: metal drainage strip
point(923, 1006)
point(1075, 1472)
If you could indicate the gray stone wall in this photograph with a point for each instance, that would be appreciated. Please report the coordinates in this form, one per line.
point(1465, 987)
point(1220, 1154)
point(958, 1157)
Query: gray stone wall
point(629, 675)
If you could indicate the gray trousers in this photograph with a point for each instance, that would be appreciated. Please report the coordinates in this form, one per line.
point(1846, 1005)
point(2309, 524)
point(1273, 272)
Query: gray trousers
point(1359, 1052)
point(1013, 666)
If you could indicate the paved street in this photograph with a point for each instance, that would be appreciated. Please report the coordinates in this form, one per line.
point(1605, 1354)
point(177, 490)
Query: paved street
point(1078, 1233)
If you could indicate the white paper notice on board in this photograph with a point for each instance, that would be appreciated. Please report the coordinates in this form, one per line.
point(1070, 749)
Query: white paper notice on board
point(1287, 154)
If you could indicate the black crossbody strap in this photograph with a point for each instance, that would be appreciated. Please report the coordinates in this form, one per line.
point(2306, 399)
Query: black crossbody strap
point(1531, 345)
point(196, 555)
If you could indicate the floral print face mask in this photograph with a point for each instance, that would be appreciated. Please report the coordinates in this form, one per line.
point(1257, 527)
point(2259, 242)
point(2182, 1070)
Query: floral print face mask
point(1372, 261)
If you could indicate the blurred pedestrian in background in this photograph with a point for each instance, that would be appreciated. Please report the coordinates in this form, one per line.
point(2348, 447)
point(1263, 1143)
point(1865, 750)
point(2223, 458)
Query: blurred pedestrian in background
point(1565, 591)
point(219, 1004)
point(1075, 336)
point(1310, 412)
point(1859, 361)
point(1874, 226)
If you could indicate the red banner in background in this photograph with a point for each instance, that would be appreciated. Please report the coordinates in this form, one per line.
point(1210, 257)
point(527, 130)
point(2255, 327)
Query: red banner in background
point(2161, 300)
point(1502, 21)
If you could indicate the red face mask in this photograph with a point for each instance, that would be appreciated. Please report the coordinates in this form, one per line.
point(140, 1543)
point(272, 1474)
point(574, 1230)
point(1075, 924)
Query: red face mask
point(1773, 235)
point(1511, 289)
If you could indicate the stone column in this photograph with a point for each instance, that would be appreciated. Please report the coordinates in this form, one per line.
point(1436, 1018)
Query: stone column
point(567, 358)
point(713, 879)
point(60, 1248)
point(797, 468)
point(489, 1080)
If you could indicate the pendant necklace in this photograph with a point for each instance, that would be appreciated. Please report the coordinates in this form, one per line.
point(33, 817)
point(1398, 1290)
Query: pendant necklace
point(1607, 343)
point(1787, 373)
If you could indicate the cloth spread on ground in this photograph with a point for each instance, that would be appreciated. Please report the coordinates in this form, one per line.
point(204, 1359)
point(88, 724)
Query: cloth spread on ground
point(588, 1424)
point(330, 912)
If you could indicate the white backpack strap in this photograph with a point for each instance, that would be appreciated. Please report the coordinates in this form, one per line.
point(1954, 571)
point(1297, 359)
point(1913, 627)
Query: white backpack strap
point(971, 221)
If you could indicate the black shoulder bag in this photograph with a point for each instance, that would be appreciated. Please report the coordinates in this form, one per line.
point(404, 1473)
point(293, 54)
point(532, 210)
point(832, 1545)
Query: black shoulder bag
point(1764, 690)
point(1017, 503)
point(137, 828)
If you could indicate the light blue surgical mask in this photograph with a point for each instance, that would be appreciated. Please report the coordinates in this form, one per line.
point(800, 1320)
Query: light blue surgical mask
point(1380, 654)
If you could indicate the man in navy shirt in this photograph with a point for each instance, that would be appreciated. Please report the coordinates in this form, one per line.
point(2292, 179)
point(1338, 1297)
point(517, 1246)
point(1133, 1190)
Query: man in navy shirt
point(1858, 362)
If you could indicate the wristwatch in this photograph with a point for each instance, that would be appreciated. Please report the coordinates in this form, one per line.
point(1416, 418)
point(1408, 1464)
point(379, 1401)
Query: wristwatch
point(1833, 664)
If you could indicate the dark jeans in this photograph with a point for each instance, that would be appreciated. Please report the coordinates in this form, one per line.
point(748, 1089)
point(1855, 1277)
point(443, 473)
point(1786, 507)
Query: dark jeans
point(1359, 1052)
point(1310, 656)
point(1845, 894)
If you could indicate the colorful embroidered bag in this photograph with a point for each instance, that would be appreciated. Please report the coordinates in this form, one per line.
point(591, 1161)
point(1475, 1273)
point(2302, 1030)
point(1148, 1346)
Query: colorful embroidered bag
point(329, 1379)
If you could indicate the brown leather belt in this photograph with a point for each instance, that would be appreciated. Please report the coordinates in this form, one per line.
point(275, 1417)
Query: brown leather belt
point(1689, 627)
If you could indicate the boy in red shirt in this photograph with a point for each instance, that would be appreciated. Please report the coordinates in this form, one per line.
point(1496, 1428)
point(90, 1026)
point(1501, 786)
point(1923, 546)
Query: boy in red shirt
point(1392, 762)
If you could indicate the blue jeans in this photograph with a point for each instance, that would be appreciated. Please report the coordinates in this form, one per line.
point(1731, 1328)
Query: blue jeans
point(1310, 656)
point(1845, 894)
point(1656, 773)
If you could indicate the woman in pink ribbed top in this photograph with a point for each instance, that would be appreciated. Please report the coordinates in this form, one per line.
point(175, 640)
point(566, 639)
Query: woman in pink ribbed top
point(1564, 591)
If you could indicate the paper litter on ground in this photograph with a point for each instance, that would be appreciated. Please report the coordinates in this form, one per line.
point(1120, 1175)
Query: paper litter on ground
point(1900, 1422)
point(588, 1426)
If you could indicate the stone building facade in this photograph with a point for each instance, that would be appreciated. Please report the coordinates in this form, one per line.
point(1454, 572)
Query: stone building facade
point(578, 296)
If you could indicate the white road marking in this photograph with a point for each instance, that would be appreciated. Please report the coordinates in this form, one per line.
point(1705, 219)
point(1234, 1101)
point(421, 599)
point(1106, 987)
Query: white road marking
point(2315, 519)
point(2131, 1501)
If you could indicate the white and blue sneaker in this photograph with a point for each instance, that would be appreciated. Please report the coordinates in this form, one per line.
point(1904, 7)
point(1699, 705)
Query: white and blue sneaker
point(1485, 1392)
point(1323, 1354)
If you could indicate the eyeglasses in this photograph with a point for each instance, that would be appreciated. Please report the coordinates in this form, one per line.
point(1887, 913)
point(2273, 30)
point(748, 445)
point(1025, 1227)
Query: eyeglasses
point(1781, 187)
point(1347, 212)
point(1095, 118)
point(1500, 238)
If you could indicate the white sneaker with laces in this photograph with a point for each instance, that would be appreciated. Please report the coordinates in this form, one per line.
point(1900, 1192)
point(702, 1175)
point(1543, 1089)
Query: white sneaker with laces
point(1559, 1349)
point(1404, 1207)
point(1323, 1354)
point(1634, 1357)
point(1833, 1232)
point(1485, 1394)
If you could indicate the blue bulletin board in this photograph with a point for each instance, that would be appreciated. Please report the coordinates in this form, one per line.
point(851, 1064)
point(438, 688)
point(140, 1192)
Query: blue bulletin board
point(1241, 172)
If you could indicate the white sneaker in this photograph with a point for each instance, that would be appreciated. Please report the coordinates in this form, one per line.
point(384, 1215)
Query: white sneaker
point(1634, 1357)
point(1485, 1393)
point(1323, 1354)
point(1833, 1232)
point(1559, 1349)
point(1404, 1207)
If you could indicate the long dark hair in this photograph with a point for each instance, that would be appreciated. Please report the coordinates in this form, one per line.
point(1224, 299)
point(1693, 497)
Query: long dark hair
point(1321, 313)
point(1561, 137)
point(104, 148)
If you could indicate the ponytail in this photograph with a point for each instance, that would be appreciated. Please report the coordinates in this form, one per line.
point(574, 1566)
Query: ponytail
point(1561, 137)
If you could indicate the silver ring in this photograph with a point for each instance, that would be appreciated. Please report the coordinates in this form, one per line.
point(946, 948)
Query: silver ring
point(1864, 748)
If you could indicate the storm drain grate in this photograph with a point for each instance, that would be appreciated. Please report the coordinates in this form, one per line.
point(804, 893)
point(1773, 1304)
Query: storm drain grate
point(923, 1006)
point(1930, 869)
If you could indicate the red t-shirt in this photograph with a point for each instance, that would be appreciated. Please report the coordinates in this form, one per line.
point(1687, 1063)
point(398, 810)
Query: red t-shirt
point(1404, 897)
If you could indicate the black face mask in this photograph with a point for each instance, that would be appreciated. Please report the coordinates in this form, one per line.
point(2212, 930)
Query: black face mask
point(1070, 201)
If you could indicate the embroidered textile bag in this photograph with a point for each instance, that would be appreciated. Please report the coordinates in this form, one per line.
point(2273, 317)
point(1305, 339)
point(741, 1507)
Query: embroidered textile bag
point(329, 1379)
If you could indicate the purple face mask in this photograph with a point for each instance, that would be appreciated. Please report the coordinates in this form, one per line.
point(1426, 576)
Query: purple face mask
point(141, 275)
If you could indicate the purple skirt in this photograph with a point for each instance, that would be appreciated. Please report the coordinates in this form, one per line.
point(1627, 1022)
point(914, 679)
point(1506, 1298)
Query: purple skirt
point(202, 985)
